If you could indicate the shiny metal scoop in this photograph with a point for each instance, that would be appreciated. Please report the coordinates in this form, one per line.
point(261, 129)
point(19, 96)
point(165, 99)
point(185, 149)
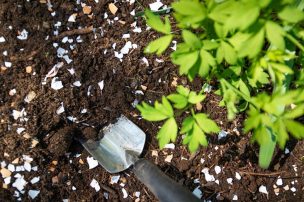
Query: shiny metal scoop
point(120, 146)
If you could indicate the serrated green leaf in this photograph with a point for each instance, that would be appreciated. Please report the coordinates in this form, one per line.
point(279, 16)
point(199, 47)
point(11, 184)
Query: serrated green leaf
point(206, 124)
point(220, 54)
point(207, 61)
point(281, 68)
point(221, 11)
point(167, 133)
point(179, 100)
point(167, 106)
point(183, 90)
point(186, 61)
point(275, 34)
point(195, 138)
point(298, 111)
point(242, 17)
point(190, 8)
point(187, 125)
point(291, 14)
point(253, 46)
point(191, 39)
point(156, 23)
point(195, 98)
point(220, 30)
point(295, 128)
point(150, 113)
point(264, 3)
point(267, 147)
point(282, 135)
point(243, 88)
point(159, 45)
point(210, 44)
point(229, 53)
point(238, 39)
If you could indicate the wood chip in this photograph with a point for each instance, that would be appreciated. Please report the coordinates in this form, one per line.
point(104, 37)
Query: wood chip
point(169, 158)
point(34, 143)
point(122, 22)
point(4, 186)
point(87, 10)
point(42, 1)
point(5, 172)
point(199, 106)
point(143, 87)
point(28, 69)
point(52, 169)
point(174, 82)
point(55, 162)
point(154, 153)
point(55, 180)
point(3, 68)
point(16, 161)
point(81, 161)
point(26, 136)
point(113, 9)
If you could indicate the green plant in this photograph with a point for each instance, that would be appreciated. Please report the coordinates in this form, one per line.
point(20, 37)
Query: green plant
point(194, 126)
point(254, 49)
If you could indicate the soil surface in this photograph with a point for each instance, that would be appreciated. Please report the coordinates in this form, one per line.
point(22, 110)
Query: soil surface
point(96, 79)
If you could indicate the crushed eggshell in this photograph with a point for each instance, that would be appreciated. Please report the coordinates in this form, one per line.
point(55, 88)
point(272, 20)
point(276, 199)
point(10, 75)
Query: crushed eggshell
point(23, 35)
point(217, 169)
point(72, 17)
point(114, 179)
point(169, 146)
point(30, 96)
point(263, 189)
point(208, 177)
point(279, 182)
point(92, 162)
point(33, 193)
point(35, 180)
point(197, 192)
point(229, 180)
point(155, 6)
point(12, 92)
point(124, 192)
point(169, 158)
point(237, 176)
point(56, 84)
point(95, 185)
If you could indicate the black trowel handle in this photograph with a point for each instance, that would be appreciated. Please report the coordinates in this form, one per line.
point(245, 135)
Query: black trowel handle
point(163, 187)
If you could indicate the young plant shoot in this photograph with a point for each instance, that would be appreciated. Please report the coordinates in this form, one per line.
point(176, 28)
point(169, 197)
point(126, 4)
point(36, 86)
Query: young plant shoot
point(253, 49)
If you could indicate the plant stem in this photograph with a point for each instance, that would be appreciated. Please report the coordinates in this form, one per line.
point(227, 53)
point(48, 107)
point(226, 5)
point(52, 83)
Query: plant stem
point(247, 98)
point(295, 42)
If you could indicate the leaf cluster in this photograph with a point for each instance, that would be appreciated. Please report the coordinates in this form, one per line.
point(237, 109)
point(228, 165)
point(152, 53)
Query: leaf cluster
point(194, 127)
point(251, 48)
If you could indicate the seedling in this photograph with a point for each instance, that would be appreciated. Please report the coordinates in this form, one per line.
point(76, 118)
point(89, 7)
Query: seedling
point(254, 50)
point(194, 127)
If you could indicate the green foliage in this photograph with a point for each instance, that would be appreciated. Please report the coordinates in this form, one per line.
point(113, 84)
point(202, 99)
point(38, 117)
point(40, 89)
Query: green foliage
point(251, 48)
point(195, 126)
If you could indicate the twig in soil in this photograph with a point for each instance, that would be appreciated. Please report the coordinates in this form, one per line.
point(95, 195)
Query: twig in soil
point(107, 188)
point(26, 57)
point(261, 174)
point(82, 31)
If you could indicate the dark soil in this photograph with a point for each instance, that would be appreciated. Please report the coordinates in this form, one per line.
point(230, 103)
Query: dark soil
point(61, 161)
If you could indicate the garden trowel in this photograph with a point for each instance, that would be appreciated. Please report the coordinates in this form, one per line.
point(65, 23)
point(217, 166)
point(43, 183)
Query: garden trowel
point(120, 147)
